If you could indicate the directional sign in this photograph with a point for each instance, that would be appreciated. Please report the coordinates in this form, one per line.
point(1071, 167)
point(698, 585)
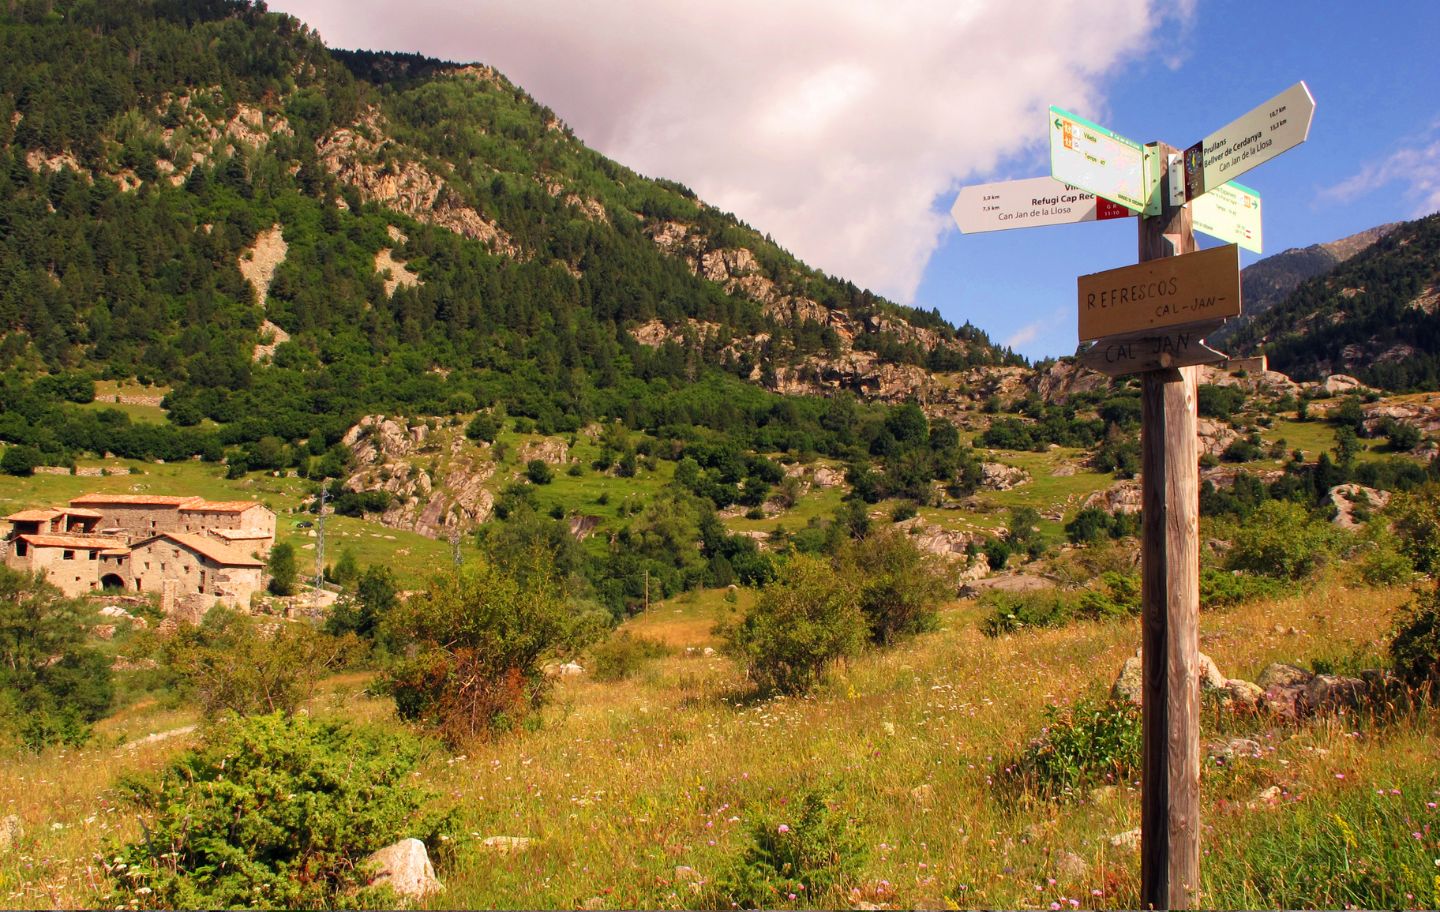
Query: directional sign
point(1088, 156)
point(1028, 203)
point(1230, 212)
point(1178, 346)
point(1171, 291)
point(1279, 124)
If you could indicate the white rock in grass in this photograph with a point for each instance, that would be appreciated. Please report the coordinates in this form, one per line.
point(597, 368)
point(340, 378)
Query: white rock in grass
point(503, 845)
point(405, 868)
point(1130, 839)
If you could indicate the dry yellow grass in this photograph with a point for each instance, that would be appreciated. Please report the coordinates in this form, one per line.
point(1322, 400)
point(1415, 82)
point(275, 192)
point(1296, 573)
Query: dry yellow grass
point(624, 782)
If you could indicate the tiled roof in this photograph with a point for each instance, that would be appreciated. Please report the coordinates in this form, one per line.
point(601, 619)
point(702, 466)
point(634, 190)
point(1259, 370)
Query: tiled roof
point(83, 513)
point(219, 552)
point(84, 542)
point(33, 516)
point(221, 506)
point(242, 534)
point(140, 500)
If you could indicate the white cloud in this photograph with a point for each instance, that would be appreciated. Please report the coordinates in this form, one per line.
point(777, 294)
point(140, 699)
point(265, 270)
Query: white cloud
point(1415, 165)
point(833, 125)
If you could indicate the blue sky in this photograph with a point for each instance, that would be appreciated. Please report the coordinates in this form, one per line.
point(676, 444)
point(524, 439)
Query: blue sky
point(844, 128)
point(1373, 154)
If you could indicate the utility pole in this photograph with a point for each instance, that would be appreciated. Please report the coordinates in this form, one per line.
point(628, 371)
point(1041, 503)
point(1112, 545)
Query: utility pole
point(320, 541)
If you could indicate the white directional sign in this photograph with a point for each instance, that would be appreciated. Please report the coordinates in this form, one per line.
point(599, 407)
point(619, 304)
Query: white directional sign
point(1087, 155)
point(1279, 124)
point(1028, 203)
point(1230, 212)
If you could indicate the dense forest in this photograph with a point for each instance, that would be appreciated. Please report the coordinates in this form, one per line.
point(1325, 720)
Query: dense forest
point(145, 146)
point(1368, 317)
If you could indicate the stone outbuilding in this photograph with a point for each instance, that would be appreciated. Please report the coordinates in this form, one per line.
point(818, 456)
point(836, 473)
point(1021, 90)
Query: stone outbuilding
point(196, 569)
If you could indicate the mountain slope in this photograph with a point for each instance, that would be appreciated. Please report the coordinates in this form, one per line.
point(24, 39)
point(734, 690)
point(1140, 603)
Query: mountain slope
point(1376, 316)
point(187, 181)
point(1270, 281)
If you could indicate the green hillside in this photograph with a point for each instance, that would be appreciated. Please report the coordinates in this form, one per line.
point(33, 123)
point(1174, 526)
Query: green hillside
point(444, 244)
point(1374, 316)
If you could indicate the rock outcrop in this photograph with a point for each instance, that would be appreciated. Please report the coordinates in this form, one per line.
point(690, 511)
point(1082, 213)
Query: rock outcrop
point(386, 452)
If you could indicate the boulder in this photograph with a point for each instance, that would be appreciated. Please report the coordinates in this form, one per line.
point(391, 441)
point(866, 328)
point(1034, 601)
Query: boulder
point(1336, 384)
point(1278, 674)
point(1129, 683)
point(1244, 695)
point(997, 476)
point(405, 868)
point(1232, 749)
point(1331, 693)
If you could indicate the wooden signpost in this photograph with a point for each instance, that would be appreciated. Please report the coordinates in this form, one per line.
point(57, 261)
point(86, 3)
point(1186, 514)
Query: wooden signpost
point(1151, 319)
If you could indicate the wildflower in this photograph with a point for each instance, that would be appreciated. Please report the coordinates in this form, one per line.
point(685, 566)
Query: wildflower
point(1339, 775)
point(1097, 892)
point(783, 828)
point(1055, 907)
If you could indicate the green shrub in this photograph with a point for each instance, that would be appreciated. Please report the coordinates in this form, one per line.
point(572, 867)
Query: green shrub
point(1384, 562)
point(1085, 744)
point(805, 853)
point(1008, 612)
point(1415, 642)
point(1222, 589)
point(1282, 540)
point(480, 637)
point(622, 655)
point(271, 812)
point(483, 427)
point(1416, 518)
point(234, 663)
point(1116, 595)
point(282, 568)
point(52, 684)
point(802, 622)
point(900, 588)
point(539, 472)
point(21, 460)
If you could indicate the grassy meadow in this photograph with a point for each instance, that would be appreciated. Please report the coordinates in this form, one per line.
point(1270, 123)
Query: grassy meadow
point(635, 793)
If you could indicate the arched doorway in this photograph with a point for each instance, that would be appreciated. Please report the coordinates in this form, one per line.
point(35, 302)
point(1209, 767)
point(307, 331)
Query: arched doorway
point(112, 581)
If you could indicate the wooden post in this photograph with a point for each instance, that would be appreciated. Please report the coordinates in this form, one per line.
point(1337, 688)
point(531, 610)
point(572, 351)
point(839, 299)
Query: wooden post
point(1170, 569)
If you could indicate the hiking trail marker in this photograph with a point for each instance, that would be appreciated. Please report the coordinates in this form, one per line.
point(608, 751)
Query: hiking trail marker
point(1152, 319)
point(1028, 203)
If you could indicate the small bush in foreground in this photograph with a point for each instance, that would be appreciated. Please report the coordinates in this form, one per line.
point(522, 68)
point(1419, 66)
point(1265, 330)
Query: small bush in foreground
point(801, 623)
point(1089, 743)
point(270, 812)
point(622, 655)
point(802, 854)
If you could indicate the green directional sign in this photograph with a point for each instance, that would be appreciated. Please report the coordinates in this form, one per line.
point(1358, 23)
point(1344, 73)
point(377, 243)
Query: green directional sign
point(1230, 212)
point(1088, 156)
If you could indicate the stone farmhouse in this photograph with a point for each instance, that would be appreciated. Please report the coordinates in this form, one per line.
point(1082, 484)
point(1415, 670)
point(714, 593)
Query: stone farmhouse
point(193, 552)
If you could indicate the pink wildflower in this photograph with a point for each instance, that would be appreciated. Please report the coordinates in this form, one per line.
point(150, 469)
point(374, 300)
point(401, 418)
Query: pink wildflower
point(783, 828)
